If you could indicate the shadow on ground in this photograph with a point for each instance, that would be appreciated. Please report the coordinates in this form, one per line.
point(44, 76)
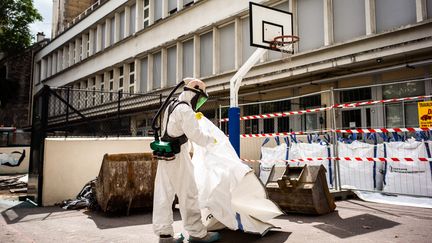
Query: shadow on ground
point(344, 227)
point(108, 221)
point(229, 236)
point(17, 213)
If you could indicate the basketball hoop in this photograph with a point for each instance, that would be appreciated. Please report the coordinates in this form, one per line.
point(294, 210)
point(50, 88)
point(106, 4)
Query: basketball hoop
point(285, 45)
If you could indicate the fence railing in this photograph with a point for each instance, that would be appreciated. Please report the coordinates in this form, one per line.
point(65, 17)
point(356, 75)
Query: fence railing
point(364, 143)
point(95, 112)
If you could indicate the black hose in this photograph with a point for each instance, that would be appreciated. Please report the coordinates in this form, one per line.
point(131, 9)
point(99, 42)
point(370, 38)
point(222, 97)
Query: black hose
point(162, 108)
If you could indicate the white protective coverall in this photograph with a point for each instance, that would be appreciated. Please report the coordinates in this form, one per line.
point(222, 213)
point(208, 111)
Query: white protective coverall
point(177, 176)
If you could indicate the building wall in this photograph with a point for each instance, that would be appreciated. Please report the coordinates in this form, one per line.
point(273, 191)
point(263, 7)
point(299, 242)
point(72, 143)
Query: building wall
point(337, 38)
point(72, 162)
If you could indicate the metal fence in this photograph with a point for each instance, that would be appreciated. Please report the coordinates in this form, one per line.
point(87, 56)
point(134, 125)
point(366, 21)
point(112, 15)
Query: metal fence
point(75, 112)
point(366, 141)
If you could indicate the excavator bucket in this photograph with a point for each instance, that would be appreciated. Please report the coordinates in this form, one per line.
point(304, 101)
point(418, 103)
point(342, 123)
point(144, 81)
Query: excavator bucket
point(302, 190)
point(126, 181)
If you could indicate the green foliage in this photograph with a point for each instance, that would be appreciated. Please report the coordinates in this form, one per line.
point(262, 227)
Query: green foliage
point(15, 17)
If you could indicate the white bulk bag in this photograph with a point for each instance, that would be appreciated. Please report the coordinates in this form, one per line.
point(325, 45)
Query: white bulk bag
point(408, 177)
point(359, 174)
point(229, 189)
point(313, 150)
point(272, 165)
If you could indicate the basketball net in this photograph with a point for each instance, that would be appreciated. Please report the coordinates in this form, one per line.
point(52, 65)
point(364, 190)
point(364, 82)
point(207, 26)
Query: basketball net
point(285, 45)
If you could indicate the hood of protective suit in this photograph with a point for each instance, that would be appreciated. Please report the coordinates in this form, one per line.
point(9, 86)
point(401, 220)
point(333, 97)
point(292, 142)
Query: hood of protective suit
point(187, 97)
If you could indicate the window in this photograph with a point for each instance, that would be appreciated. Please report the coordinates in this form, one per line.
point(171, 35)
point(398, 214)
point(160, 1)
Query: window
point(310, 121)
point(157, 74)
point(171, 66)
point(356, 95)
point(352, 12)
point(251, 126)
point(188, 58)
point(310, 24)
point(157, 10)
point(143, 76)
point(188, 2)
point(79, 49)
point(122, 25)
point(94, 41)
point(280, 124)
point(121, 81)
point(146, 13)
point(429, 8)
point(172, 6)
point(111, 84)
point(132, 77)
point(392, 14)
point(402, 114)
point(132, 19)
point(206, 52)
point(87, 44)
point(103, 36)
point(247, 49)
point(48, 66)
point(112, 31)
point(227, 48)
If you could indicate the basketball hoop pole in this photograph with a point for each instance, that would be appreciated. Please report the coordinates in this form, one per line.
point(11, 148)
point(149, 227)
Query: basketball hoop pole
point(234, 110)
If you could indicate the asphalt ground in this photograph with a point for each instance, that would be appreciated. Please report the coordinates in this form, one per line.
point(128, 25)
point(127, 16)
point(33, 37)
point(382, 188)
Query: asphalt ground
point(353, 221)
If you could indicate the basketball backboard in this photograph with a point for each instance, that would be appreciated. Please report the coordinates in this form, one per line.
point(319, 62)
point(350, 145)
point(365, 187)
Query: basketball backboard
point(267, 23)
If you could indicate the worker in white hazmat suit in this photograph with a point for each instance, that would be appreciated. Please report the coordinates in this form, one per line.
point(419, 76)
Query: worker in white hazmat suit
point(176, 176)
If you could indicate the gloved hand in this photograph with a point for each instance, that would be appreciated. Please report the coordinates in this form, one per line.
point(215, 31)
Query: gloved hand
point(199, 115)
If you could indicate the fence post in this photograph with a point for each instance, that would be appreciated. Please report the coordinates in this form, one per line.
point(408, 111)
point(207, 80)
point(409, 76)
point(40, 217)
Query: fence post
point(335, 145)
point(67, 107)
point(220, 116)
point(118, 112)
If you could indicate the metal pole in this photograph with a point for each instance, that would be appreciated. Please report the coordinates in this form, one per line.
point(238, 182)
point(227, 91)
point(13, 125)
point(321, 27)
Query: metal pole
point(118, 112)
point(234, 110)
point(220, 116)
point(335, 142)
point(67, 107)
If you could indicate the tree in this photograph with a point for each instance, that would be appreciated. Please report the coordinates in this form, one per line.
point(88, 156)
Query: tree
point(15, 17)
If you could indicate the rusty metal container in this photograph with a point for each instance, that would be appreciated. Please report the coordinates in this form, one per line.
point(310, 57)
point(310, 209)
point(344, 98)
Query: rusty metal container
point(126, 181)
point(302, 190)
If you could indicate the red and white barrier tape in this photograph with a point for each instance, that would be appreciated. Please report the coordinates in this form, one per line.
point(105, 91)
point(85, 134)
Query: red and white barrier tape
point(357, 159)
point(383, 130)
point(378, 130)
point(348, 105)
point(279, 114)
point(380, 101)
point(277, 134)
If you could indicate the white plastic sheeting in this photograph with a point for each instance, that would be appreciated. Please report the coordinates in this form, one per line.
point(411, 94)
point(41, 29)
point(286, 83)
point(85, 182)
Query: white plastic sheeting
point(408, 177)
point(377, 197)
point(270, 168)
point(360, 174)
point(313, 150)
point(228, 189)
